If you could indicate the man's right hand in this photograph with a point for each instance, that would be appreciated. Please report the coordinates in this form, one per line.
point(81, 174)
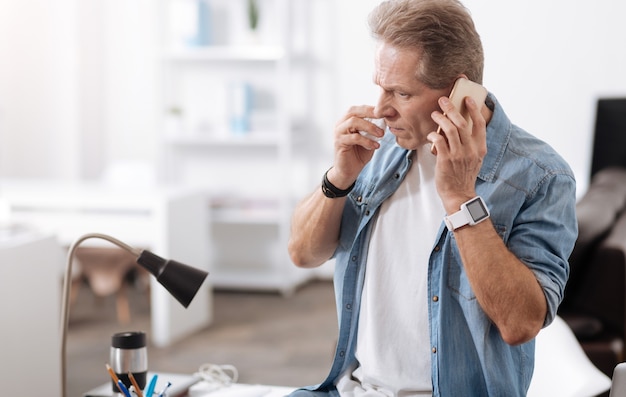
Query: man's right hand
point(353, 150)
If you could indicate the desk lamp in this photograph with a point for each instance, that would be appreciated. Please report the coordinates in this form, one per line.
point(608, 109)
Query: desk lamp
point(181, 281)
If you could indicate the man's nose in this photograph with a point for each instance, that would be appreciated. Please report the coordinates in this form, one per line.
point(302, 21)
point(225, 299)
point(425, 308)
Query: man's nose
point(383, 107)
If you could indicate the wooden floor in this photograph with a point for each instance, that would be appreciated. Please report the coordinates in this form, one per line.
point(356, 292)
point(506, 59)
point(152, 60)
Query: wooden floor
point(269, 338)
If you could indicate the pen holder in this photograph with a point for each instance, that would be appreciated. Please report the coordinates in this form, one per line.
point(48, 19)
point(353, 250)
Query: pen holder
point(129, 354)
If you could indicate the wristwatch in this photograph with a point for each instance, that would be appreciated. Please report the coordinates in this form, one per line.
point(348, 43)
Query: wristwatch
point(472, 212)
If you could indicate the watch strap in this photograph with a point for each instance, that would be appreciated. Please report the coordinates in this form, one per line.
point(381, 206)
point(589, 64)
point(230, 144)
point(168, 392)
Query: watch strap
point(457, 220)
point(332, 191)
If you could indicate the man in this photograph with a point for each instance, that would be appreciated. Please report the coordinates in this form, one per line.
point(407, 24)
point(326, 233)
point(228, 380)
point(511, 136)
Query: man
point(442, 311)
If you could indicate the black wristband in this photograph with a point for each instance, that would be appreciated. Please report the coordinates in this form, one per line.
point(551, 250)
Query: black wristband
point(332, 191)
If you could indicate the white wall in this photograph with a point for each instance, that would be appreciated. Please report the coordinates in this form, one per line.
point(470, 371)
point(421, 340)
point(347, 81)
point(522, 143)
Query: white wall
point(131, 82)
point(38, 101)
point(78, 86)
point(547, 62)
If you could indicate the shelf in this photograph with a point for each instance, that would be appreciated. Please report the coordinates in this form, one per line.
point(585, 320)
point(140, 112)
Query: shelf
point(268, 83)
point(226, 53)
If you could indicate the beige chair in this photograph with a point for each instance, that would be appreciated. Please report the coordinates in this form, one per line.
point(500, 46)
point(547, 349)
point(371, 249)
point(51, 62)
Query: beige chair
point(107, 272)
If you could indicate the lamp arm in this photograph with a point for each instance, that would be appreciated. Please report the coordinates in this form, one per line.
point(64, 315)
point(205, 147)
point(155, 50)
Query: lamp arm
point(67, 282)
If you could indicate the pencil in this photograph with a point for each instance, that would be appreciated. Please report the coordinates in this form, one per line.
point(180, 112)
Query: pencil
point(134, 382)
point(114, 377)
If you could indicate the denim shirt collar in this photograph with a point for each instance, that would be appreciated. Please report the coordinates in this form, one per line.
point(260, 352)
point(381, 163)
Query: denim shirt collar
point(498, 135)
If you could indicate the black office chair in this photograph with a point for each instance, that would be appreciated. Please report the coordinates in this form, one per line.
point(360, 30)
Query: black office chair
point(609, 146)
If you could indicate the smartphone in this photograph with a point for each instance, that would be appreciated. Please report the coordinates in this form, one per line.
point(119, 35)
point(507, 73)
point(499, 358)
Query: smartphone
point(465, 88)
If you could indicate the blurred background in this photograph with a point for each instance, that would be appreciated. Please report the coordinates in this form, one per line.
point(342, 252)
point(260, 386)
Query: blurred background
point(192, 127)
point(83, 83)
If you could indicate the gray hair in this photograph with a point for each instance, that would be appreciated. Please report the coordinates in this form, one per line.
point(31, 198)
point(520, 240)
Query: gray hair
point(442, 30)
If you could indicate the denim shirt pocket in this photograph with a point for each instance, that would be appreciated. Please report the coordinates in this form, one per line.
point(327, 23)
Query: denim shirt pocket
point(457, 280)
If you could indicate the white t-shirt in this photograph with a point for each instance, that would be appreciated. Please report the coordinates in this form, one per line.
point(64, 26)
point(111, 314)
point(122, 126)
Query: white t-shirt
point(393, 343)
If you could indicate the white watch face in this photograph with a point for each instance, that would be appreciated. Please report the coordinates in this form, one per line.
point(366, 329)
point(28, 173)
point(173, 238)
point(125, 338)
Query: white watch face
point(477, 210)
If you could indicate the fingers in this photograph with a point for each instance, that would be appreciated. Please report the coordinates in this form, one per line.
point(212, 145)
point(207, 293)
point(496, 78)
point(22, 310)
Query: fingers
point(479, 126)
point(380, 123)
point(359, 128)
point(454, 130)
point(353, 150)
point(460, 145)
point(437, 140)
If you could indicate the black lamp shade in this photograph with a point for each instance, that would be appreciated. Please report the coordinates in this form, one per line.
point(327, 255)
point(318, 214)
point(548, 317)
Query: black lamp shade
point(182, 281)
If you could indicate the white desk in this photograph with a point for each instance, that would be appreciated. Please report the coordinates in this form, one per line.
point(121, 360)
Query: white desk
point(29, 309)
point(172, 223)
point(240, 390)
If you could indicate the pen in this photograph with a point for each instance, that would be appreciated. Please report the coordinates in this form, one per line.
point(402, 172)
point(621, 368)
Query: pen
point(123, 388)
point(165, 389)
point(150, 388)
point(134, 382)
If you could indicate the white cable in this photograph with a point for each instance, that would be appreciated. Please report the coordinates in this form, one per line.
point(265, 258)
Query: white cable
point(218, 375)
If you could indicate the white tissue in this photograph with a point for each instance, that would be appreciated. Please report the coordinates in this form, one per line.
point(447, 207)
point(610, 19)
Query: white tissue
point(380, 123)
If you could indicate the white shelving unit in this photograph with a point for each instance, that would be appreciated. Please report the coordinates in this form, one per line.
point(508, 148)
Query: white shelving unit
point(250, 174)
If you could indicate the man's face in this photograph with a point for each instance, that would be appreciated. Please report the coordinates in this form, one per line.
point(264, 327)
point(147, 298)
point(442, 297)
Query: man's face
point(405, 103)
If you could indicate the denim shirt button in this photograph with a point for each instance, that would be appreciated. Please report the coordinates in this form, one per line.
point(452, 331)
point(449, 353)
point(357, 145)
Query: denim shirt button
point(342, 353)
point(349, 306)
point(434, 349)
point(353, 258)
point(435, 298)
point(397, 175)
point(359, 199)
point(367, 213)
point(437, 248)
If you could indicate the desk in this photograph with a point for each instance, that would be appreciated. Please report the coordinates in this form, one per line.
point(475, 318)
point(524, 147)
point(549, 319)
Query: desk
point(241, 390)
point(30, 325)
point(172, 223)
point(193, 386)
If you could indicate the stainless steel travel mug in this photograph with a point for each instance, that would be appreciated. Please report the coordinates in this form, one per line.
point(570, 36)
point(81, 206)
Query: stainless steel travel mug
point(129, 354)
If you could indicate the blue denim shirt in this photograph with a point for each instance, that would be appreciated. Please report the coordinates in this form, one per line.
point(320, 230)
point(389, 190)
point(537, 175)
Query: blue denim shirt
point(530, 192)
